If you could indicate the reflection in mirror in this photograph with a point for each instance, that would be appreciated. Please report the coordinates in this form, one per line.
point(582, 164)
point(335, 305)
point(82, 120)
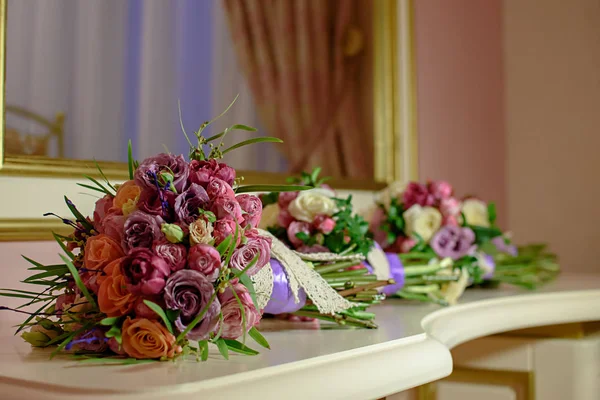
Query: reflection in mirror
point(85, 76)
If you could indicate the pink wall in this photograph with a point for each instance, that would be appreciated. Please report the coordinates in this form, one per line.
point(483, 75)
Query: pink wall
point(461, 96)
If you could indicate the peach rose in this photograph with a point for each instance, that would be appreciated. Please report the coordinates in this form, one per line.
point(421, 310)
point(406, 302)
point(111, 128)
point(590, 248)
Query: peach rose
point(127, 196)
point(100, 250)
point(143, 338)
point(114, 299)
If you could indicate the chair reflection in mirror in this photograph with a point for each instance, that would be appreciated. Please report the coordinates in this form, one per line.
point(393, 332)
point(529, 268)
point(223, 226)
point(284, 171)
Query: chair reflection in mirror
point(28, 133)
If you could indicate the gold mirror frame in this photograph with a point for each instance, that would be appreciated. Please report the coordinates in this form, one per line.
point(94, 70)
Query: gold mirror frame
point(394, 116)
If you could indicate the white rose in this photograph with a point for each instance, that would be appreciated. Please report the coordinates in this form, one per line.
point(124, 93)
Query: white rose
point(424, 221)
point(476, 212)
point(311, 203)
point(393, 191)
point(201, 232)
point(269, 216)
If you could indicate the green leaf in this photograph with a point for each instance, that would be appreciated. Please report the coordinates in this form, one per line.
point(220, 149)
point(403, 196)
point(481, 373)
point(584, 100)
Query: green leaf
point(182, 127)
point(35, 313)
point(130, 161)
point(258, 337)
point(23, 296)
point(232, 246)
point(271, 188)
point(62, 246)
point(100, 186)
point(78, 281)
point(238, 347)
point(90, 187)
point(109, 321)
point(218, 116)
point(104, 176)
point(246, 281)
point(224, 245)
point(264, 139)
point(243, 312)
point(115, 332)
point(161, 313)
point(315, 175)
point(492, 213)
point(203, 350)
point(172, 314)
point(65, 342)
point(86, 224)
point(231, 128)
point(37, 264)
point(57, 272)
point(222, 345)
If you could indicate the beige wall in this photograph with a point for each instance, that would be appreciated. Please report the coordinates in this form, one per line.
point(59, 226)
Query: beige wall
point(552, 65)
point(460, 96)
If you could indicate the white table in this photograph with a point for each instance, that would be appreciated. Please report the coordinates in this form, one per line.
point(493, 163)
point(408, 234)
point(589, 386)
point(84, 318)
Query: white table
point(410, 348)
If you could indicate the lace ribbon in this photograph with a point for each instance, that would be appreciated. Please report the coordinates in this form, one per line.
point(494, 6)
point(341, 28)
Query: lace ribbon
point(301, 276)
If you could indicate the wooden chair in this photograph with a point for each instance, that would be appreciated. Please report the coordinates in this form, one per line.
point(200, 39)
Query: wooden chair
point(20, 142)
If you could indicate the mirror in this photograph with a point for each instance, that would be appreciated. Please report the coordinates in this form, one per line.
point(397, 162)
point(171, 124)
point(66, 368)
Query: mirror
point(84, 76)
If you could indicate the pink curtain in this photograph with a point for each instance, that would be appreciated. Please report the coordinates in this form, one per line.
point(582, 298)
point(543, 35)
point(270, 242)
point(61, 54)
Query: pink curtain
point(301, 60)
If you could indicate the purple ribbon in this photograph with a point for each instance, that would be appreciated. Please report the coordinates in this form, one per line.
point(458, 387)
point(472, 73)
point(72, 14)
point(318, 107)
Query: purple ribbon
point(282, 299)
point(396, 273)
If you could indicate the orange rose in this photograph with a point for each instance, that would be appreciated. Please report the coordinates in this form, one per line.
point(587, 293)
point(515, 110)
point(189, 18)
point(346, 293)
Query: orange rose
point(143, 338)
point(126, 198)
point(114, 299)
point(100, 250)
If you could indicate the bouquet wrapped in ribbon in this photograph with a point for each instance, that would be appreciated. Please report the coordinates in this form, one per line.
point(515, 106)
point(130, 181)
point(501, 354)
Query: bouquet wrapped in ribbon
point(163, 267)
point(443, 244)
point(323, 231)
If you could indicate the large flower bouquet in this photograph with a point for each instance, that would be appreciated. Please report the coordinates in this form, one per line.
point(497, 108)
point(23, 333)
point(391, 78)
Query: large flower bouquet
point(443, 244)
point(163, 267)
point(325, 232)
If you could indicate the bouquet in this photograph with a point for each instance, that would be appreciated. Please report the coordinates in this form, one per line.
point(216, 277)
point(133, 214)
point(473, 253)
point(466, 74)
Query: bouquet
point(163, 267)
point(443, 244)
point(322, 229)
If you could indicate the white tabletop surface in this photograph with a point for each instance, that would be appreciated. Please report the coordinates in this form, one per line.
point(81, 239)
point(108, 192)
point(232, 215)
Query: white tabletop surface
point(411, 347)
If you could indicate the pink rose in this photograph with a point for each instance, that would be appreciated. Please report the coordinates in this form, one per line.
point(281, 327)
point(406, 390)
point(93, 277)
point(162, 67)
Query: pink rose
point(285, 198)
point(113, 226)
point(450, 221)
point(175, 255)
point(232, 315)
point(115, 347)
point(450, 207)
point(440, 190)
point(416, 193)
point(284, 219)
point(298, 227)
point(202, 171)
point(252, 207)
point(324, 224)
point(223, 206)
point(217, 187)
point(407, 244)
point(379, 235)
point(225, 227)
point(101, 209)
point(244, 255)
point(206, 259)
point(157, 202)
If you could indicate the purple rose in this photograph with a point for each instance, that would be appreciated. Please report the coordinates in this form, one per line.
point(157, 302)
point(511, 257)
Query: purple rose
point(202, 171)
point(218, 187)
point(505, 247)
point(225, 227)
point(205, 259)
point(453, 241)
point(190, 291)
point(145, 272)
point(157, 202)
point(232, 314)
point(188, 203)
point(298, 227)
point(141, 230)
point(252, 206)
point(175, 255)
point(223, 206)
point(242, 256)
point(150, 169)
